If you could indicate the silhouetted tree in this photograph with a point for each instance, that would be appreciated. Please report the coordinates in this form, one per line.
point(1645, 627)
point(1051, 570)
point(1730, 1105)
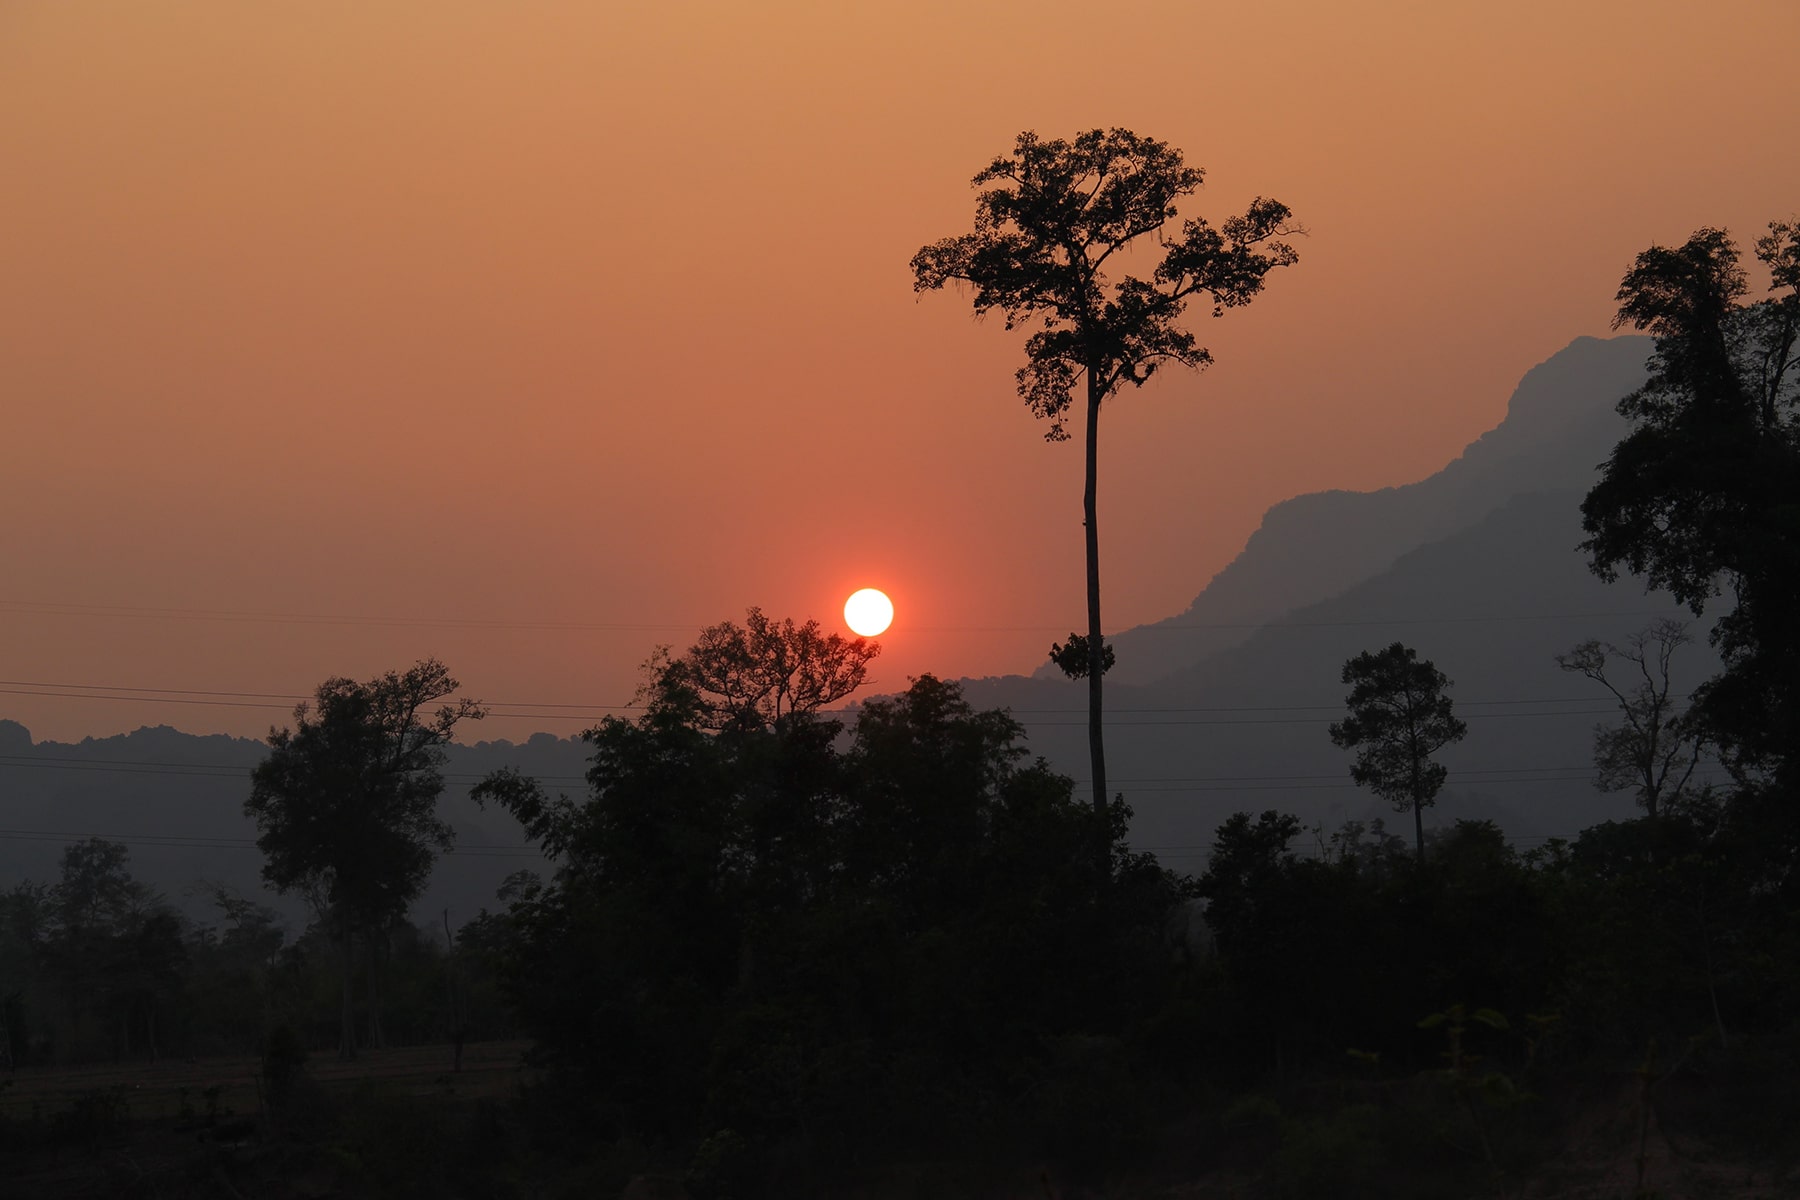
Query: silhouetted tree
point(755, 674)
point(114, 949)
point(233, 994)
point(1655, 749)
point(1242, 868)
point(1399, 717)
point(25, 922)
point(346, 806)
point(148, 960)
point(1704, 492)
point(93, 902)
point(1058, 212)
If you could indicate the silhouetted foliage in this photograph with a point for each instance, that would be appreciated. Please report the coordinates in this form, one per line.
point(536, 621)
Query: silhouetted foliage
point(763, 936)
point(753, 675)
point(1655, 748)
point(1399, 717)
point(1057, 213)
point(108, 955)
point(346, 806)
point(1074, 659)
point(1704, 493)
point(237, 991)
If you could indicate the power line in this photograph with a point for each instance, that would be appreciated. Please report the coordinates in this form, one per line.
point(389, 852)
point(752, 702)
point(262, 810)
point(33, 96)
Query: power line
point(230, 770)
point(206, 842)
point(513, 708)
point(1580, 712)
point(57, 608)
point(204, 770)
point(157, 692)
point(1187, 851)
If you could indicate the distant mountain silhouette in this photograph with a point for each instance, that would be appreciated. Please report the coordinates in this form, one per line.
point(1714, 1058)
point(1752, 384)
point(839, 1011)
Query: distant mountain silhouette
point(177, 800)
point(1245, 729)
point(1560, 424)
point(1476, 567)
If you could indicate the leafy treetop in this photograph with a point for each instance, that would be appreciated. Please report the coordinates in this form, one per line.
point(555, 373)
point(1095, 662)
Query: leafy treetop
point(1059, 211)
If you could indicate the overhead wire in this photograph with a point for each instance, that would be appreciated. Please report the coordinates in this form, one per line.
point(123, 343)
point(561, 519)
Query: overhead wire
point(1177, 851)
point(583, 711)
point(145, 612)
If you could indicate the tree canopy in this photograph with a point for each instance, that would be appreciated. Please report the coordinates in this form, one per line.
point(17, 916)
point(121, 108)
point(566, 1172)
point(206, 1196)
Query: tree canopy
point(1702, 496)
point(755, 674)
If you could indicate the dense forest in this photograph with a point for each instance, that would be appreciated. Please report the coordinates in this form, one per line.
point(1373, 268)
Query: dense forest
point(790, 949)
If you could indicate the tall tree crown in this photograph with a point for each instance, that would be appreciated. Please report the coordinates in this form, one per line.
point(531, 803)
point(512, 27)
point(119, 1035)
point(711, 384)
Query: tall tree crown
point(1702, 496)
point(1057, 212)
point(1399, 717)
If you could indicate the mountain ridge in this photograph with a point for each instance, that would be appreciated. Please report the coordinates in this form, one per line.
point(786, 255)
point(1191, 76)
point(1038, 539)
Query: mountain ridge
point(1560, 424)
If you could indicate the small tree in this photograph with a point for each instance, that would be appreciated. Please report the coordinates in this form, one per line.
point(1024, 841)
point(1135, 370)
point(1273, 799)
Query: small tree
point(1655, 749)
point(1399, 717)
point(1059, 211)
point(346, 807)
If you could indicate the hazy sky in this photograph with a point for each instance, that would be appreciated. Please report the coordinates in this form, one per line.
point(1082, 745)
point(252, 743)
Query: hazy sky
point(530, 335)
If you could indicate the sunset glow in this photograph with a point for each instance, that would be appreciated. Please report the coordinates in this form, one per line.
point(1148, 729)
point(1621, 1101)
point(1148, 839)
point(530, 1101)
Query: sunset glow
point(284, 282)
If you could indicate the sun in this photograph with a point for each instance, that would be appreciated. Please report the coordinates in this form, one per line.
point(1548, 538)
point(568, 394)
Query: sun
point(868, 612)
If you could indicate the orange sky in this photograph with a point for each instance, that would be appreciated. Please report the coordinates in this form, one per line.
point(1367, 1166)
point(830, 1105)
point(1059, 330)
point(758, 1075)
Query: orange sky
point(530, 335)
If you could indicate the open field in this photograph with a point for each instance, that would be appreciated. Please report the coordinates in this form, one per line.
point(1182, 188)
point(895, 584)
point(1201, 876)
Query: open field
point(152, 1130)
point(155, 1090)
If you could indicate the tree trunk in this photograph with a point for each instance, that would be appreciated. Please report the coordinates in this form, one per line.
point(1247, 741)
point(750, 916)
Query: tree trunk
point(377, 1039)
point(1418, 810)
point(347, 1024)
point(456, 1019)
point(1096, 648)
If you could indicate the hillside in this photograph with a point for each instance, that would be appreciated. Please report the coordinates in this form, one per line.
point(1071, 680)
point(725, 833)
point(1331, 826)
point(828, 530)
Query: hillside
point(177, 800)
point(1560, 424)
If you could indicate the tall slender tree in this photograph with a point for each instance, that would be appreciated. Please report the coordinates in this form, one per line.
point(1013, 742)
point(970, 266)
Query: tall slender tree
point(1050, 219)
point(346, 807)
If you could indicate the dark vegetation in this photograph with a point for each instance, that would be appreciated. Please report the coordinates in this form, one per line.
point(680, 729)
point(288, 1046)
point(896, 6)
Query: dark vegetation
point(884, 952)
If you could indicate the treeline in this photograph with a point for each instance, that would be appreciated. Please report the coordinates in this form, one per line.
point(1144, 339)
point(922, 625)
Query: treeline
point(97, 966)
point(777, 952)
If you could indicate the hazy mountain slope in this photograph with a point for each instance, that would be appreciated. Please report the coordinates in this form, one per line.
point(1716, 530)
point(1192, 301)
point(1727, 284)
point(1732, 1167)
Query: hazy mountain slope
point(1559, 425)
point(1247, 729)
point(177, 800)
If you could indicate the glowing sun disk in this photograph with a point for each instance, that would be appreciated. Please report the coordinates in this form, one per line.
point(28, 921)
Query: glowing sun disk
point(868, 612)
